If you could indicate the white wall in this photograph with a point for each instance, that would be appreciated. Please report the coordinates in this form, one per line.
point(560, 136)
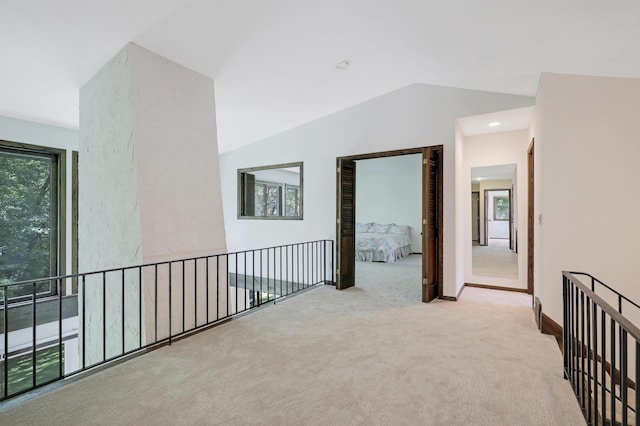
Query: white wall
point(414, 116)
point(489, 150)
point(586, 140)
point(15, 130)
point(389, 190)
point(461, 200)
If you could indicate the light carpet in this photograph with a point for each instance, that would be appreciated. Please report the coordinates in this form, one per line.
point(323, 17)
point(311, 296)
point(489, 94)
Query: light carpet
point(494, 260)
point(372, 354)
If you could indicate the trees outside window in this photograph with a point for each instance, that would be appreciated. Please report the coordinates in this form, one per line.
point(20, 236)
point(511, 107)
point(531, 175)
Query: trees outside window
point(28, 219)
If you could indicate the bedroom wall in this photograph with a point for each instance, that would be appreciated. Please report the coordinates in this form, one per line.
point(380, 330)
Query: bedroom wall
point(489, 150)
point(389, 190)
point(586, 147)
point(414, 116)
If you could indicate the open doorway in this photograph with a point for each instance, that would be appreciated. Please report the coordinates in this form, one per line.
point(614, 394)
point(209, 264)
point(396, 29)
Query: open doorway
point(430, 224)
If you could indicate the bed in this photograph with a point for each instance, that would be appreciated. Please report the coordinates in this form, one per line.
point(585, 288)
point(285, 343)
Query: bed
point(382, 242)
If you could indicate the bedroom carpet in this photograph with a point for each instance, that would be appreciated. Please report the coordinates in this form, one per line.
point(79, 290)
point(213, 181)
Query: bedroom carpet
point(372, 354)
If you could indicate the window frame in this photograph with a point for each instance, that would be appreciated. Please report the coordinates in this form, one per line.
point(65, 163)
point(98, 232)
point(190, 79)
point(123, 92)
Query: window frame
point(58, 241)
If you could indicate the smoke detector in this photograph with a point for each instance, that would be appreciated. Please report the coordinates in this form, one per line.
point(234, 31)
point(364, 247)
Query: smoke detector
point(343, 65)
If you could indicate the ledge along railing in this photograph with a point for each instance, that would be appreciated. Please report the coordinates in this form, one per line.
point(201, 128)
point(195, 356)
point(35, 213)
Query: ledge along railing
point(99, 317)
point(601, 349)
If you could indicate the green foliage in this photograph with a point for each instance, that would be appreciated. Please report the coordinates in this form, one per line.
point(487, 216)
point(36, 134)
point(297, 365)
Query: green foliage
point(21, 369)
point(292, 201)
point(501, 208)
point(26, 213)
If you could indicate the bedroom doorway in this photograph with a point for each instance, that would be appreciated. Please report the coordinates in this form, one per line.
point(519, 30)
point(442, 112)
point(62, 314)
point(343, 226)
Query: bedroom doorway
point(431, 212)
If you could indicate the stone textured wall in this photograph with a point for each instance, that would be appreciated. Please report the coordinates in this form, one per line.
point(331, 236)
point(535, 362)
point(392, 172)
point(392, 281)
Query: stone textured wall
point(149, 191)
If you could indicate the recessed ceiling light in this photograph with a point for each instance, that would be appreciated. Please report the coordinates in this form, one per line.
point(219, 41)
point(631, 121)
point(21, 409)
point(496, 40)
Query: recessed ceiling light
point(494, 124)
point(343, 65)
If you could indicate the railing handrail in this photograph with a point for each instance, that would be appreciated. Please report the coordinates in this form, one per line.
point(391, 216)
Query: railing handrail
point(607, 287)
point(620, 319)
point(146, 265)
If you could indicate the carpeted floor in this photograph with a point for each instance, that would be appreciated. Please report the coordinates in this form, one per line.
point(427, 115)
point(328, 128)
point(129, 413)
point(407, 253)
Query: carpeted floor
point(372, 354)
point(494, 260)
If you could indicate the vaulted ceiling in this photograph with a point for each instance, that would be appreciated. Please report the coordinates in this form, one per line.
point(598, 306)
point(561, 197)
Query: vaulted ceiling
point(274, 61)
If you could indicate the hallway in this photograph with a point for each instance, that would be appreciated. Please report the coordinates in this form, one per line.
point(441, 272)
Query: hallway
point(372, 354)
point(495, 260)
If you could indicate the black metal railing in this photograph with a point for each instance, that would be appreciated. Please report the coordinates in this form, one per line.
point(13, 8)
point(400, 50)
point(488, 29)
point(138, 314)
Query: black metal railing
point(102, 316)
point(601, 349)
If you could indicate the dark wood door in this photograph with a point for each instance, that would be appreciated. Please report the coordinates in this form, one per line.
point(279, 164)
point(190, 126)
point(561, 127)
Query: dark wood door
point(431, 217)
point(485, 242)
point(346, 224)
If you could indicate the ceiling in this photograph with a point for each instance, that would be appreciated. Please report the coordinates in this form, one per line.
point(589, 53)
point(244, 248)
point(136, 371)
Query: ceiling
point(273, 61)
point(499, 172)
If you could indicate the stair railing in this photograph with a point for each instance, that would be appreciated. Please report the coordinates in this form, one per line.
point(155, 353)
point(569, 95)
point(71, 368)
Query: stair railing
point(601, 349)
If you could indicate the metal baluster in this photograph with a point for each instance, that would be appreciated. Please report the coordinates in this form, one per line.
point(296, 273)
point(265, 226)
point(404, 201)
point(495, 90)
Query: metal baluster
point(84, 327)
point(324, 261)
point(565, 327)
point(613, 371)
point(236, 282)
point(603, 363)
point(33, 332)
point(227, 284)
point(60, 343)
point(595, 359)
point(123, 308)
point(139, 307)
point(195, 293)
point(623, 374)
point(170, 303)
point(206, 283)
point(183, 298)
point(582, 347)
point(637, 387)
point(155, 308)
point(589, 351)
point(281, 263)
point(5, 364)
point(104, 316)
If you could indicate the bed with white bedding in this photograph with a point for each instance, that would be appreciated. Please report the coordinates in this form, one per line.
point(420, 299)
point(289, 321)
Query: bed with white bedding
point(382, 243)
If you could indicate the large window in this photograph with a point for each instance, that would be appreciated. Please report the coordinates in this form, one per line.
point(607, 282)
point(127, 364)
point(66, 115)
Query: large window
point(29, 218)
point(270, 192)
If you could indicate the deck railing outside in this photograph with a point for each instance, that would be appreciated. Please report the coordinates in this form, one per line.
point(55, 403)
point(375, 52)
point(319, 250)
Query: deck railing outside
point(98, 317)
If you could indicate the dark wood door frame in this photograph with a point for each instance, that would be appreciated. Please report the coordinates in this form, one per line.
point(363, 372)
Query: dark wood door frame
point(430, 271)
point(530, 215)
point(346, 223)
point(478, 207)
